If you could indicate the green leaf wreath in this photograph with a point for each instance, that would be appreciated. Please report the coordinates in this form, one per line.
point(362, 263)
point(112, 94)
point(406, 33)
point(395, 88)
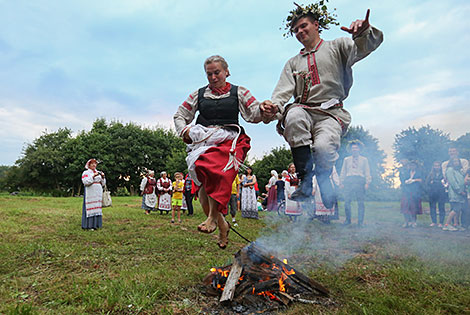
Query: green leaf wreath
point(318, 10)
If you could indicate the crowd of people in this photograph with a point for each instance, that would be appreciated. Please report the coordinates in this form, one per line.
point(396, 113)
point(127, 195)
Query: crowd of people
point(447, 181)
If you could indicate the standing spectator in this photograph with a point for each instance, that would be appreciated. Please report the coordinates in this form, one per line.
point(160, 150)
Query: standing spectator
point(292, 183)
point(94, 181)
point(177, 199)
point(411, 179)
point(280, 188)
point(164, 193)
point(147, 186)
point(248, 198)
point(467, 204)
point(272, 192)
point(233, 203)
point(355, 180)
point(323, 213)
point(188, 194)
point(437, 194)
point(457, 193)
point(454, 154)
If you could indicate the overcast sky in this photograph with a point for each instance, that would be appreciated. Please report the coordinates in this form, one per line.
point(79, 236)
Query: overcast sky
point(66, 63)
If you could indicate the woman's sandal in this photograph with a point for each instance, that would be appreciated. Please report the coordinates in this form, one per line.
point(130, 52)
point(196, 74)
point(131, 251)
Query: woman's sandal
point(224, 246)
point(206, 230)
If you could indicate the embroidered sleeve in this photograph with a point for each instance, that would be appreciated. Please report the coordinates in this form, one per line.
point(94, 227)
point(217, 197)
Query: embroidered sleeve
point(360, 46)
point(285, 87)
point(87, 178)
point(185, 113)
point(248, 105)
point(143, 183)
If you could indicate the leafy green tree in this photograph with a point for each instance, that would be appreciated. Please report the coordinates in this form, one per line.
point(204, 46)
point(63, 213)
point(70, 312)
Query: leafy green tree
point(43, 163)
point(463, 144)
point(55, 161)
point(3, 176)
point(278, 159)
point(425, 145)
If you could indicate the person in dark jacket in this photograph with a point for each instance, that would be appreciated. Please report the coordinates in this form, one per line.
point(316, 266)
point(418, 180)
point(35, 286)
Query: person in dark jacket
point(437, 194)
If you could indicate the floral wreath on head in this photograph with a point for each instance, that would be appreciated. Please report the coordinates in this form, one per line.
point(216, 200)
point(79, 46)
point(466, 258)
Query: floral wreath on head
point(319, 11)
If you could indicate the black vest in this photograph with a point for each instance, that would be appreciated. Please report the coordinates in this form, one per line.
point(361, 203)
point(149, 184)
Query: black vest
point(218, 112)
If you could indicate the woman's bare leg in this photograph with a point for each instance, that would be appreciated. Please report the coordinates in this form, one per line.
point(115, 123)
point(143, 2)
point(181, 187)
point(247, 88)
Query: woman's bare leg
point(220, 219)
point(210, 224)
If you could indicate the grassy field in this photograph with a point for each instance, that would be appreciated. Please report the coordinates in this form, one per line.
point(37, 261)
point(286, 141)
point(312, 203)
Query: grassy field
point(138, 264)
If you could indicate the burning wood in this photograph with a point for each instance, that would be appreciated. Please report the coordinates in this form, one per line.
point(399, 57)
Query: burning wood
point(257, 277)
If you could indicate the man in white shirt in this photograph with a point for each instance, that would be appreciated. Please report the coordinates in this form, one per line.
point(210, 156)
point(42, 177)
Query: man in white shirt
point(355, 179)
point(319, 79)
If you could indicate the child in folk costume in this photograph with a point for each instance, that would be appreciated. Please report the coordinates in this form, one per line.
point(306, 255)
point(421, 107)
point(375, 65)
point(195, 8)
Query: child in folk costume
point(164, 193)
point(177, 199)
point(292, 182)
point(147, 186)
point(94, 181)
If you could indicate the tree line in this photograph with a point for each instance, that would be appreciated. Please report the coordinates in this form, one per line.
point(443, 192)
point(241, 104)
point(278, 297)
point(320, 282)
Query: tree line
point(53, 162)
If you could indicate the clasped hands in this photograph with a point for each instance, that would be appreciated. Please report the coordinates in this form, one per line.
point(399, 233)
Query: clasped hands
point(268, 109)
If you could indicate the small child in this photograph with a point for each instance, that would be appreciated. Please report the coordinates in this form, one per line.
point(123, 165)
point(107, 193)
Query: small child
point(280, 187)
point(177, 200)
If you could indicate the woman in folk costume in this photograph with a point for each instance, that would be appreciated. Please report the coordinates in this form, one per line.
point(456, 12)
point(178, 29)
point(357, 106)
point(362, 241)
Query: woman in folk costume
point(323, 213)
point(147, 186)
point(248, 203)
point(411, 179)
point(94, 181)
point(272, 192)
point(164, 193)
point(217, 145)
point(292, 182)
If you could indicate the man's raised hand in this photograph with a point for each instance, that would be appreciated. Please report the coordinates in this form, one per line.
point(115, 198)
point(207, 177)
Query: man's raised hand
point(358, 26)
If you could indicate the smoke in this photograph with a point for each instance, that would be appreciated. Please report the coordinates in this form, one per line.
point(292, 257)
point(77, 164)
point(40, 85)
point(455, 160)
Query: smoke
point(310, 244)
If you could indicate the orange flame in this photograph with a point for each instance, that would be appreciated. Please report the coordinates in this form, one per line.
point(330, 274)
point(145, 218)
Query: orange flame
point(288, 272)
point(282, 286)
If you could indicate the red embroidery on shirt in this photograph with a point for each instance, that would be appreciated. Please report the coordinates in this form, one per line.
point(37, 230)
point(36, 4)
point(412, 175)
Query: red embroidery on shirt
point(221, 91)
point(250, 101)
point(247, 91)
point(93, 208)
point(190, 96)
point(187, 106)
point(85, 176)
point(313, 70)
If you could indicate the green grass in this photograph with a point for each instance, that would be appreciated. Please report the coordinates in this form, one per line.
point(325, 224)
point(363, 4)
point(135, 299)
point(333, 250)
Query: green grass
point(138, 264)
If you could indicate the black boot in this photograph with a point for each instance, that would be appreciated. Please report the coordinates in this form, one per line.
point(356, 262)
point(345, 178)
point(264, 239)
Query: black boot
point(303, 161)
point(327, 191)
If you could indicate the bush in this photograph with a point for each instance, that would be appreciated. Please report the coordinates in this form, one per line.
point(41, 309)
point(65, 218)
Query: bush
point(122, 191)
